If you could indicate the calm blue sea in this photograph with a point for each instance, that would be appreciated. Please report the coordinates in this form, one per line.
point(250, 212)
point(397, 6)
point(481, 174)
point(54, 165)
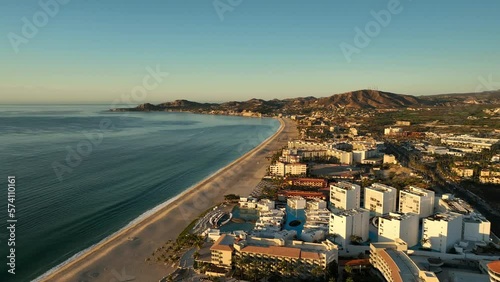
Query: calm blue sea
point(82, 173)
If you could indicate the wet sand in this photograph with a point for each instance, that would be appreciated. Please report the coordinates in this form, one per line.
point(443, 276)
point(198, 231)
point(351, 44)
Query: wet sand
point(120, 259)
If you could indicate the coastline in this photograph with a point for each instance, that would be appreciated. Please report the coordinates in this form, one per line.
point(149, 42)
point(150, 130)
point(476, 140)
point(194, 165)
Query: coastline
point(99, 256)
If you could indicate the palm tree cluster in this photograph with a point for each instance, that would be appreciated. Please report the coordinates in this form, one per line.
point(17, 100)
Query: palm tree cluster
point(271, 270)
point(171, 251)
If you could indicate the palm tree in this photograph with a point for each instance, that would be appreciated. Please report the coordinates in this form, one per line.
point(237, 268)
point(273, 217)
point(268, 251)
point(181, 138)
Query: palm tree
point(348, 269)
point(425, 241)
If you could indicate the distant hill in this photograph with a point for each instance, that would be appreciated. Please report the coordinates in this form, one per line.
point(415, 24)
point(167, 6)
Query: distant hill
point(360, 99)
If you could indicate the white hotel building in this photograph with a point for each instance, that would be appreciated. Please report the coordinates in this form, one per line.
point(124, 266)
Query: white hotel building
point(380, 199)
point(283, 169)
point(399, 225)
point(442, 231)
point(476, 228)
point(345, 223)
point(416, 200)
point(345, 195)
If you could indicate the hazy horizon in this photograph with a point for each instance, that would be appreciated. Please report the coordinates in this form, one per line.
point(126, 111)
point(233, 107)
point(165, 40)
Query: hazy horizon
point(96, 52)
point(201, 101)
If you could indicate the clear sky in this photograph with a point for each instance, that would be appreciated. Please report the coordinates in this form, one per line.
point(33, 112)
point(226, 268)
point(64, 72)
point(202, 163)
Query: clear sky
point(97, 51)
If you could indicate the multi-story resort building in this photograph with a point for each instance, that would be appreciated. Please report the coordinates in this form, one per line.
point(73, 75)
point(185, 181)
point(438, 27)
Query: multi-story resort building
point(252, 203)
point(345, 195)
point(448, 202)
point(283, 169)
point(273, 252)
point(347, 224)
point(380, 199)
point(317, 219)
point(416, 200)
point(270, 220)
point(474, 144)
point(222, 251)
point(440, 232)
point(308, 182)
point(475, 227)
point(316, 204)
point(395, 265)
point(398, 225)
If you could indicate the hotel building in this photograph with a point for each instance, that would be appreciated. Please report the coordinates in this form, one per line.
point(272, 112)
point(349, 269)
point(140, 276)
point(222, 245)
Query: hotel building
point(398, 225)
point(345, 195)
point(475, 144)
point(346, 223)
point(476, 228)
point(380, 199)
point(416, 200)
point(222, 251)
point(442, 231)
point(282, 169)
point(395, 265)
point(296, 203)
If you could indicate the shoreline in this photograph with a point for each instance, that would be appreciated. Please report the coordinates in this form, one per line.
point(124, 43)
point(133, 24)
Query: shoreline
point(83, 259)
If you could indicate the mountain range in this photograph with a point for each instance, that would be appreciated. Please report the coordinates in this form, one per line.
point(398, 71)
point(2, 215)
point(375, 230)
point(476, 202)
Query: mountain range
point(360, 99)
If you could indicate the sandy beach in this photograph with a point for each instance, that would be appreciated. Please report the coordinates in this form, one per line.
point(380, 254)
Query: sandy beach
point(120, 259)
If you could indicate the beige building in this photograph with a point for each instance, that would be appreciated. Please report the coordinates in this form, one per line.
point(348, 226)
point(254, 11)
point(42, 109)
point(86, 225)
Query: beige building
point(273, 252)
point(283, 169)
point(463, 171)
point(380, 199)
point(416, 200)
point(345, 195)
point(296, 203)
point(475, 144)
point(395, 265)
point(347, 223)
point(222, 251)
point(476, 228)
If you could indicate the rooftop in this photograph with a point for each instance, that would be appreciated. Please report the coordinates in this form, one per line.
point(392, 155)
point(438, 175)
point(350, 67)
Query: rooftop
point(224, 243)
point(351, 212)
point(397, 216)
point(417, 191)
point(345, 185)
point(381, 187)
point(449, 216)
point(494, 266)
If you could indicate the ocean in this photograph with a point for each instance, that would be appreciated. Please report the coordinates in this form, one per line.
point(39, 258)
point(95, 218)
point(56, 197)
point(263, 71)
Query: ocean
point(82, 172)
